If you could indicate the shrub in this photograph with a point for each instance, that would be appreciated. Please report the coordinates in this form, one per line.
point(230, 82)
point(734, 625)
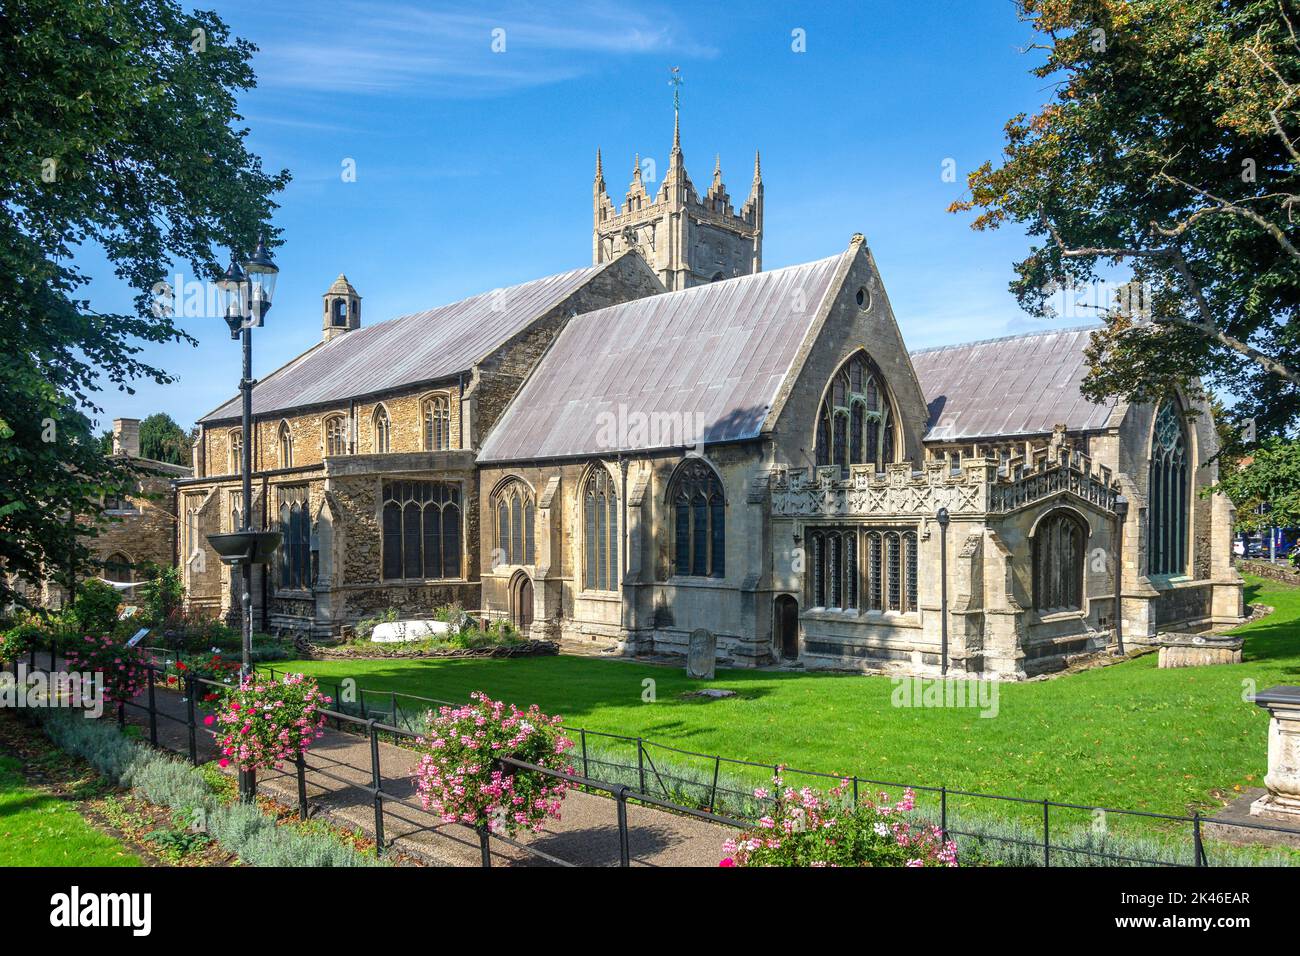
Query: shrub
point(123, 668)
point(810, 828)
point(458, 776)
point(266, 722)
point(211, 666)
point(162, 594)
point(94, 609)
point(19, 641)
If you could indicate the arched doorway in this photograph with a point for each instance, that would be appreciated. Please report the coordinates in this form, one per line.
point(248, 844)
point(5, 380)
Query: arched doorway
point(521, 602)
point(785, 630)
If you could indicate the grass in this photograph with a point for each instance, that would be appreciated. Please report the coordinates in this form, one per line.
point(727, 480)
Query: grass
point(1129, 736)
point(40, 829)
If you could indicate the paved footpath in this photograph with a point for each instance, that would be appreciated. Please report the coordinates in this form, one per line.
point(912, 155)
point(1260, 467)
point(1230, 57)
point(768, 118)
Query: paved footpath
point(339, 763)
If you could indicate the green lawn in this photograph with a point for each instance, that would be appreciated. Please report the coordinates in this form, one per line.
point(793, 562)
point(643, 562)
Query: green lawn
point(1129, 736)
point(38, 829)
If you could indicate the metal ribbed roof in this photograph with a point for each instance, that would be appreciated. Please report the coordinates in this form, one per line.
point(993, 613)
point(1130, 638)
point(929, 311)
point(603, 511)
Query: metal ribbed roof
point(408, 350)
point(718, 351)
point(1019, 385)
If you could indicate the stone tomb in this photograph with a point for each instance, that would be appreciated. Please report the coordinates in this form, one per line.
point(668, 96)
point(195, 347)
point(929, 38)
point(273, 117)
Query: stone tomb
point(701, 654)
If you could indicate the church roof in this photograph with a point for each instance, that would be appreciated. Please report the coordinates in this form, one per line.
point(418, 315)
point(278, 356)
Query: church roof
point(644, 374)
point(1019, 385)
point(416, 348)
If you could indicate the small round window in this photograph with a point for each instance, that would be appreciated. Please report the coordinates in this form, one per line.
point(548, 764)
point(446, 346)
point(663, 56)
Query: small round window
point(864, 298)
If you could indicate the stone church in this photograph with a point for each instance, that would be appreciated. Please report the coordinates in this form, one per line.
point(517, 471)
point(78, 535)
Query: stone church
point(673, 439)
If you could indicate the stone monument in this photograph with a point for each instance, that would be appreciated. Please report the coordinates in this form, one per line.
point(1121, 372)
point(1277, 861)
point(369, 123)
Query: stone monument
point(1283, 778)
point(701, 655)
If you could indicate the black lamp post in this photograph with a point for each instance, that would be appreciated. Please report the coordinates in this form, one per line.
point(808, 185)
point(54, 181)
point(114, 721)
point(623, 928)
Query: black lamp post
point(1121, 513)
point(943, 519)
point(247, 292)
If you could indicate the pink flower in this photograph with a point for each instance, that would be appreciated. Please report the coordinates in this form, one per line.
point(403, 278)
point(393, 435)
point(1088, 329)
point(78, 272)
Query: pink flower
point(209, 720)
point(727, 861)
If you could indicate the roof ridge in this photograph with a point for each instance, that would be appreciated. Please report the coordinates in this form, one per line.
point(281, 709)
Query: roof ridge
point(1004, 338)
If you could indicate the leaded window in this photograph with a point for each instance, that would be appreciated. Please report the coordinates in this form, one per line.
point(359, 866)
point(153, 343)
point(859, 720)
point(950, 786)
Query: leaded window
point(1167, 493)
point(117, 568)
point(855, 425)
point(513, 506)
point(295, 537)
point(383, 431)
point(421, 530)
point(699, 521)
point(285, 438)
point(236, 465)
point(1058, 562)
point(336, 436)
point(863, 569)
point(437, 423)
point(600, 531)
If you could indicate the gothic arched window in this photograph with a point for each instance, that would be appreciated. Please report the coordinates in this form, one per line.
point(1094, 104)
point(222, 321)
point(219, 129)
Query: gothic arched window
point(383, 431)
point(437, 423)
point(1058, 562)
point(855, 425)
point(600, 531)
point(336, 436)
point(295, 538)
point(1167, 493)
point(236, 444)
point(863, 569)
point(699, 521)
point(117, 567)
point(513, 506)
point(421, 530)
point(286, 445)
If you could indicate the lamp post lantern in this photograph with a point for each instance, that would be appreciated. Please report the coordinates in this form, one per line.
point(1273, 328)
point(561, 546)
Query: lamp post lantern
point(247, 290)
point(1121, 513)
point(942, 518)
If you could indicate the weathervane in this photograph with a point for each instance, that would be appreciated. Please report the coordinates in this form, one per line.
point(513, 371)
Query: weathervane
point(675, 81)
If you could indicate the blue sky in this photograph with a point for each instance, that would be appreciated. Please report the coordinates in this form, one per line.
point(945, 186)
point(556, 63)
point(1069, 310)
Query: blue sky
point(474, 168)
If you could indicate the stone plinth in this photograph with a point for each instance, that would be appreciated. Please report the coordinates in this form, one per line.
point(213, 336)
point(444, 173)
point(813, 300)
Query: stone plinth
point(1283, 780)
point(1198, 650)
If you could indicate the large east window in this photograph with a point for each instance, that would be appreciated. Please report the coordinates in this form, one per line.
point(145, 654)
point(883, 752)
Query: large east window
point(600, 532)
point(1167, 493)
point(295, 537)
point(862, 569)
point(699, 521)
point(421, 530)
point(855, 425)
point(1058, 563)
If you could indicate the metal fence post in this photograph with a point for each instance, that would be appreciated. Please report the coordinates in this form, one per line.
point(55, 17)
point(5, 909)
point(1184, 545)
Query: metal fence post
point(583, 734)
point(1047, 843)
point(713, 795)
point(54, 654)
point(300, 764)
point(640, 765)
point(395, 723)
point(624, 851)
point(1197, 845)
point(855, 792)
point(943, 811)
point(484, 845)
point(121, 714)
point(378, 787)
point(189, 720)
point(153, 707)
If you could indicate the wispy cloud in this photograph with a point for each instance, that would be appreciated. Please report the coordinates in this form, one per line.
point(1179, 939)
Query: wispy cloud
point(376, 48)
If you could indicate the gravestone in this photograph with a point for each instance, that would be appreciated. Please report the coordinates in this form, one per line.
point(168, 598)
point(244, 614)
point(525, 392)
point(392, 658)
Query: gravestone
point(701, 654)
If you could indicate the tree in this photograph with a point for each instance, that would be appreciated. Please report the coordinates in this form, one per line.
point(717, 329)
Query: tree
point(1169, 146)
point(118, 129)
point(1266, 487)
point(163, 440)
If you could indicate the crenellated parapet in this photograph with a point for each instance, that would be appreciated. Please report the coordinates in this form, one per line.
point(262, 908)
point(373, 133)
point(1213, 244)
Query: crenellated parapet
point(979, 487)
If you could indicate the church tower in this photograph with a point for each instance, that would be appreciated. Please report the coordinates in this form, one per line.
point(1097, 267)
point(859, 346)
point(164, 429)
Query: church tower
point(687, 240)
point(342, 309)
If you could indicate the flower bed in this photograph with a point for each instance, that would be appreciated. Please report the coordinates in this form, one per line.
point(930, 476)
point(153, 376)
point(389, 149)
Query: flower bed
point(265, 722)
point(458, 776)
point(433, 649)
point(810, 828)
point(124, 669)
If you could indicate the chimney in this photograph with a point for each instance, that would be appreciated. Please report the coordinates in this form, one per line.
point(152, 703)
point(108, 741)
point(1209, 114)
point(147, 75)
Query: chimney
point(126, 437)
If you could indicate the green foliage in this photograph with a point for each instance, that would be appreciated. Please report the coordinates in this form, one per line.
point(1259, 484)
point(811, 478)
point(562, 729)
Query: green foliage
point(242, 829)
point(162, 594)
point(94, 610)
point(42, 830)
point(1167, 148)
point(119, 132)
point(18, 642)
point(366, 628)
point(1271, 478)
point(163, 440)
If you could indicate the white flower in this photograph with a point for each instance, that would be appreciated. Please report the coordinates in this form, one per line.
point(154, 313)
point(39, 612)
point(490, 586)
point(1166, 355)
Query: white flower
point(881, 829)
